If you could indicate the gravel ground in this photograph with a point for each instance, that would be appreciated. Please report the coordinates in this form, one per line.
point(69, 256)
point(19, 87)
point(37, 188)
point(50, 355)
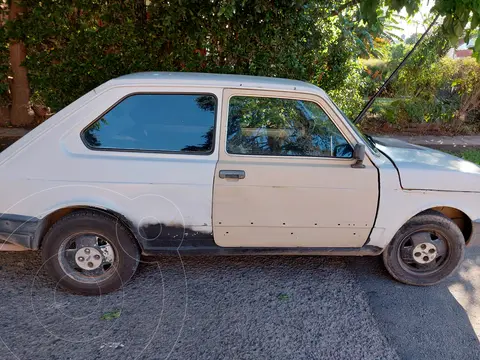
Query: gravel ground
point(241, 308)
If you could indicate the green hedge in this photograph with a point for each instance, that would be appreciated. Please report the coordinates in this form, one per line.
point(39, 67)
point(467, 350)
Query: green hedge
point(439, 93)
point(75, 46)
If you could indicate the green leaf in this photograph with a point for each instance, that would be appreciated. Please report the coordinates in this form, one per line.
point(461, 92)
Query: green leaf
point(458, 28)
point(477, 45)
point(475, 20)
point(115, 314)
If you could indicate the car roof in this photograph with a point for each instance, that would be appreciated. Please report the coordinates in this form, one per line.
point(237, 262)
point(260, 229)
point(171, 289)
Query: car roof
point(215, 80)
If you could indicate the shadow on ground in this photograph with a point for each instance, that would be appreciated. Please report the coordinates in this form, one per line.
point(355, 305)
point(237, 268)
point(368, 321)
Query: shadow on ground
point(425, 322)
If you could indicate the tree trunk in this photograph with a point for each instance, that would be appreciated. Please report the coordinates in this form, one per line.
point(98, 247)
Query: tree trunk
point(20, 113)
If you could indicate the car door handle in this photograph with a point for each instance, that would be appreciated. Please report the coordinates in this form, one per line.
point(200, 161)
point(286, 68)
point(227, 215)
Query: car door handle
point(231, 174)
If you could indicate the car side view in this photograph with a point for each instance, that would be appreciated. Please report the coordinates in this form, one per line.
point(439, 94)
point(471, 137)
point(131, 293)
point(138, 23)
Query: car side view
point(169, 163)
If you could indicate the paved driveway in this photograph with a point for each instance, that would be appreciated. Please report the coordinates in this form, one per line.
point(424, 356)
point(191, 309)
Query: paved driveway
point(242, 308)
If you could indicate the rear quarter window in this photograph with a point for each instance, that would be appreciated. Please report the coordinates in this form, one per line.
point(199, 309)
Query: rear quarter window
point(172, 123)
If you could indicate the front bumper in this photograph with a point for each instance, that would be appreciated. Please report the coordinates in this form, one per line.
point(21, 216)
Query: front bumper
point(475, 238)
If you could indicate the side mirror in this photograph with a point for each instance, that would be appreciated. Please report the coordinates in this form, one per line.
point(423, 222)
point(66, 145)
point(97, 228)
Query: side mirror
point(359, 155)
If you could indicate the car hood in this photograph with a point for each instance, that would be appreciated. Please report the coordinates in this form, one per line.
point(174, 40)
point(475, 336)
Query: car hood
point(421, 168)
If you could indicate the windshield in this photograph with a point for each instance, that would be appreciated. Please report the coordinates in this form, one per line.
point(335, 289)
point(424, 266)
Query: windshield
point(367, 138)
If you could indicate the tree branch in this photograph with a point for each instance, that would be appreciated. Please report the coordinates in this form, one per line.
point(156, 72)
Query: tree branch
point(343, 7)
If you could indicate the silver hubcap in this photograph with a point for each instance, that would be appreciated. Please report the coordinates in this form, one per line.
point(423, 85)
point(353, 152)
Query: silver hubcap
point(424, 253)
point(88, 258)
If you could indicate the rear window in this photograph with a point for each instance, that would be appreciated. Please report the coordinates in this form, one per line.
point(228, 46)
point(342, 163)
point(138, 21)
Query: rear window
point(173, 123)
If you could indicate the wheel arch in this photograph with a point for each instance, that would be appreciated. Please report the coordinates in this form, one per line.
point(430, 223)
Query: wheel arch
point(462, 220)
point(390, 224)
point(55, 215)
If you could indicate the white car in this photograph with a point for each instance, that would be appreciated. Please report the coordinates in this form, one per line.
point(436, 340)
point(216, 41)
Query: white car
point(159, 163)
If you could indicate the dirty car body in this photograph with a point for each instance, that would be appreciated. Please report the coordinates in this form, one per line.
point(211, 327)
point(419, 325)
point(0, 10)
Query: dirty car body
point(203, 163)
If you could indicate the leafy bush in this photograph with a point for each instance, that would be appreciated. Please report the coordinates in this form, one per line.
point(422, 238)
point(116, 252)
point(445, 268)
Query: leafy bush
point(472, 155)
point(465, 85)
point(431, 89)
point(375, 67)
point(403, 111)
point(375, 72)
point(73, 47)
point(349, 97)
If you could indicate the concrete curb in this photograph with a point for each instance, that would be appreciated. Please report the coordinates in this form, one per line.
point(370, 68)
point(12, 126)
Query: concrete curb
point(443, 142)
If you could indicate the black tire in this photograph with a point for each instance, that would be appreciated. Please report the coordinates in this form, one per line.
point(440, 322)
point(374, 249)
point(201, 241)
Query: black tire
point(122, 267)
point(437, 225)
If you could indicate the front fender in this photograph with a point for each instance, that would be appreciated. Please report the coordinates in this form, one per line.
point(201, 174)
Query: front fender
point(398, 206)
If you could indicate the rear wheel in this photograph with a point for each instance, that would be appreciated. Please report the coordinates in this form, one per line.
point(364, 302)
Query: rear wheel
point(90, 253)
point(426, 250)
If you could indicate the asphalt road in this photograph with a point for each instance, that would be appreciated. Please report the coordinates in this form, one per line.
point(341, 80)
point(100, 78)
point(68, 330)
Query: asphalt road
point(242, 308)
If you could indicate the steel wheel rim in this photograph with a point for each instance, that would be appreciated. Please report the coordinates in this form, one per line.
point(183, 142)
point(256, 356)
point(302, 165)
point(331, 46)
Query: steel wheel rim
point(417, 246)
point(83, 245)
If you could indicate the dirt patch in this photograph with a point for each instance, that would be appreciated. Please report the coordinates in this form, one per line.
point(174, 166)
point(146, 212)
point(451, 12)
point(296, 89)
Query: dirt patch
point(4, 115)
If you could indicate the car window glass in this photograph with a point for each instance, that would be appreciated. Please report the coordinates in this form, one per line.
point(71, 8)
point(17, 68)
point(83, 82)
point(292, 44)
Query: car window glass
point(156, 122)
point(282, 127)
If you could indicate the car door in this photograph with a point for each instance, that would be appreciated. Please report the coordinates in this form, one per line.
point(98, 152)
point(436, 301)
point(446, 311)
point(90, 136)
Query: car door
point(284, 176)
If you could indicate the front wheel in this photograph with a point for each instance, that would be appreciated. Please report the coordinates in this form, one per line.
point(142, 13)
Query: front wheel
point(426, 250)
point(90, 253)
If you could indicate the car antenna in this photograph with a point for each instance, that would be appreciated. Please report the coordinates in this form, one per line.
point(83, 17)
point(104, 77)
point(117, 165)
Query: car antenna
point(372, 99)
